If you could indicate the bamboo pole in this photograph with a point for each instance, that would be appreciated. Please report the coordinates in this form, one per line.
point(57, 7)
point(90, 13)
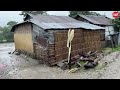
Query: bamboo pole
point(70, 38)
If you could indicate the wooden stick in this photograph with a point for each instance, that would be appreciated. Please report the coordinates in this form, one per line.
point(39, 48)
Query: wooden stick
point(70, 58)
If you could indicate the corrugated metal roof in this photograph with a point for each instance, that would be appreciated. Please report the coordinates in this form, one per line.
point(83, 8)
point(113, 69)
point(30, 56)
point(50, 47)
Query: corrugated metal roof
point(98, 20)
point(53, 19)
point(59, 22)
point(68, 25)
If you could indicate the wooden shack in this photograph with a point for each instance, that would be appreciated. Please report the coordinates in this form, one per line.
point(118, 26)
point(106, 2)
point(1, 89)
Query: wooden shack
point(46, 37)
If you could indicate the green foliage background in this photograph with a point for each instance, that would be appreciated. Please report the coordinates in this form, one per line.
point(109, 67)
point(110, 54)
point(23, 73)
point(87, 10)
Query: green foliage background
point(117, 23)
point(5, 34)
point(74, 13)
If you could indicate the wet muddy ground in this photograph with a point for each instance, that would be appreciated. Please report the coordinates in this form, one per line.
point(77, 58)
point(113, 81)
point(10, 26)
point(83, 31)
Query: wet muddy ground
point(10, 63)
point(22, 67)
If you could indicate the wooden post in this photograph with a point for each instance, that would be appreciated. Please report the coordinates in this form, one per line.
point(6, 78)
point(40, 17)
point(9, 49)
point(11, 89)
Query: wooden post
point(70, 37)
point(70, 58)
point(111, 38)
point(69, 62)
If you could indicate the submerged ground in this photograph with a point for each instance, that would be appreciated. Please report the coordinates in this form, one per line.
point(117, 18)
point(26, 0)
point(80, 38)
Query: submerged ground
point(22, 67)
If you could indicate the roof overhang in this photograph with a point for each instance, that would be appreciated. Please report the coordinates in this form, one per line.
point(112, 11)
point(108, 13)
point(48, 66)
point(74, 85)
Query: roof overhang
point(89, 20)
point(14, 27)
point(53, 26)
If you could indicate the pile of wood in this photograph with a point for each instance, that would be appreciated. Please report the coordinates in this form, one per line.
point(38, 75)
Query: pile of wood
point(86, 60)
point(91, 58)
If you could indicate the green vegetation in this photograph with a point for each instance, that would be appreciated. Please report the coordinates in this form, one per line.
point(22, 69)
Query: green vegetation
point(5, 34)
point(116, 49)
point(117, 23)
point(74, 13)
point(110, 50)
point(24, 13)
point(100, 66)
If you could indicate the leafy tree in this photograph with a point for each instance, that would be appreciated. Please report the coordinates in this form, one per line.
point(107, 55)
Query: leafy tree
point(117, 23)
point(12, 23)
point(6, 34)
point(74, 13)
point(24, 13)
point(0, 28)
point(97, 14)
point(1, 36)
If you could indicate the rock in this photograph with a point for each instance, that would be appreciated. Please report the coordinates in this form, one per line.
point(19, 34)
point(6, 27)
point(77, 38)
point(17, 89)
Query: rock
point(9, 52)
point(63, 65)
point(17, 53)
point(95, 63)
point(89, 65)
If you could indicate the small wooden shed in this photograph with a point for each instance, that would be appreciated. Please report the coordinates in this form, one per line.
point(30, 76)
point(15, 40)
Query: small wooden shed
point(46, 37)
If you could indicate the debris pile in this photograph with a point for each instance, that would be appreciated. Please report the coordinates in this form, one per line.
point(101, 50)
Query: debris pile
point(82, 60)
point(16, 52)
